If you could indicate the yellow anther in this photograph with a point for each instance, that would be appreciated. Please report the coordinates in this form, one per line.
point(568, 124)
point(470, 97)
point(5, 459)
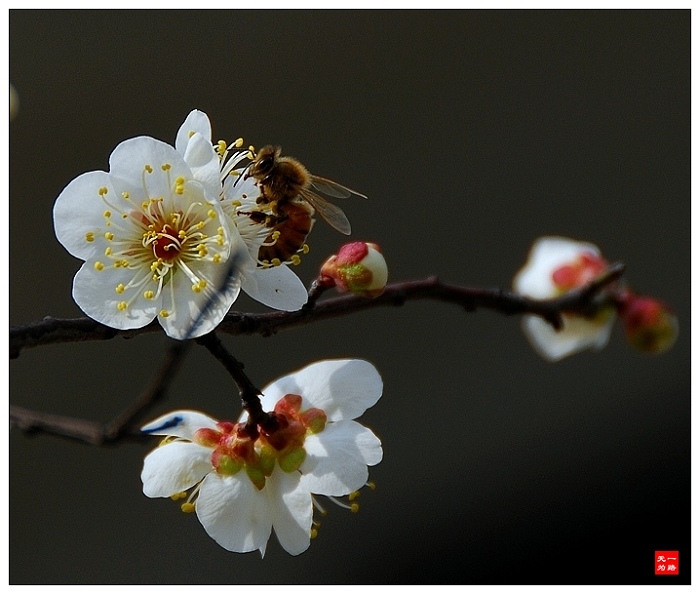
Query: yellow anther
point(165, 166)
point(102, 191)
point(221, 147)
point(353, 495)
point(99, 266)
point(119, 288)
point(126, 195)
point(148, 168)
point(371, 485)
point(251, 148)
point(275, 262)
point(145, 204)
point(191, 133)
point(238, 143)
point(179, 180)
point(220, 230)
point(250, 154)
point(313, 534)
point(90, 236)
point(107, 213)
point(199, 286)
point(122, 305)
point(182, 234)
point(216, 259)
point(148, 294)
point(200, 225)
point(275, 235)
point(355, 507)
point(237, 202)
point(108, 251)
point(202, 249)
point(187, 507)
point(164, 313)
point(211, 213)
point(180, 495)
point(295, 260)
point(305, 248)
point(180, 190)
point(109, 236)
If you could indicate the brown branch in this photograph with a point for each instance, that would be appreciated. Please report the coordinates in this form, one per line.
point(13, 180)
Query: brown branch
point(55, 330)
point(118, 429)
point(583, 301)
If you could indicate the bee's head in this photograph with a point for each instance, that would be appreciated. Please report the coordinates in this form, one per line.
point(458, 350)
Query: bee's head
point(265, 161)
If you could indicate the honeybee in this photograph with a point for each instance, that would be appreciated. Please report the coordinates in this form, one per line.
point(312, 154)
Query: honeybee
point(290, 197)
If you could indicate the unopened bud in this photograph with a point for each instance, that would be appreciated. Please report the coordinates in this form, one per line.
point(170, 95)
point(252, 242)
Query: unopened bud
point(358, 267)
point(650, 326)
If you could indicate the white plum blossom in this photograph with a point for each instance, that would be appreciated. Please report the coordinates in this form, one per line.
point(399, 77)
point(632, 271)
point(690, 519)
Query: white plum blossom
point(277, 285)
point(248, 478)
point(556, 265)
point(156, 242)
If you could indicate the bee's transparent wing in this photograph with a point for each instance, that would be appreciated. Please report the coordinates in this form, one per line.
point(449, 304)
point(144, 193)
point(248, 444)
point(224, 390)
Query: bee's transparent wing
point(332, 214)
point(332, 189)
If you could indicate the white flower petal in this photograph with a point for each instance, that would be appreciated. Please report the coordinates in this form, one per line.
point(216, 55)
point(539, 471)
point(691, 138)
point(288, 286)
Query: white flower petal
point(234, 513)
point(79, 210)
point(342, 388)
point(292, 510)
point(95, 293)
point(337, 458)
point(130, 158)
point(179, 423)
point(547, 254)
point(578, 334)
point(204, 163)
point(174, 467)
point(184, 306)
point(196, 121)
point(277, 287)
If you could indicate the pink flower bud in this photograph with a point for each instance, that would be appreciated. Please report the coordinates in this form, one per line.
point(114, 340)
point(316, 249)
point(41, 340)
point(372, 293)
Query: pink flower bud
point(358, 267)
point(650, 326)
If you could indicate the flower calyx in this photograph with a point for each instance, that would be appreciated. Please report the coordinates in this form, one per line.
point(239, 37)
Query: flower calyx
point(278, 438)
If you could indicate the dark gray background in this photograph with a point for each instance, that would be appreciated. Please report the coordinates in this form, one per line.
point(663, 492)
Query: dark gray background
point(473, 133)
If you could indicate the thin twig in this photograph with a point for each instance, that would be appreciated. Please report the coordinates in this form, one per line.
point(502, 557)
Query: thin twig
point(250, 395)
point(118, 429)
